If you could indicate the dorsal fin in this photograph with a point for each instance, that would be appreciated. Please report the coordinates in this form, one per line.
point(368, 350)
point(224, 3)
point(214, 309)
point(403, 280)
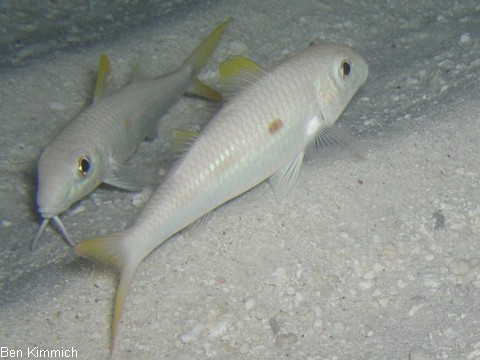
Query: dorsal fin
point(238, 73)
point(103, 72)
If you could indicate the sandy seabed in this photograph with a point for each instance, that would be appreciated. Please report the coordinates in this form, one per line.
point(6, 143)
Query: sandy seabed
point(376, 258)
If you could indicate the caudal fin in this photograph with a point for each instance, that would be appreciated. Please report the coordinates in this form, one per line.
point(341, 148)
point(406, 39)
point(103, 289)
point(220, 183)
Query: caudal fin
point(111, 250)
point(197, 61)
point(200, 56)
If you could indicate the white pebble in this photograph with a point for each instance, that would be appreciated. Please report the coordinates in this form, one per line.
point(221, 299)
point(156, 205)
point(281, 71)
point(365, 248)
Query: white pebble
point(54, 105)
point(390, 251)
point(383, 302)
point(475, 63)
point(221, 326)
point(365, 285)
point(299, 298)
point(210, 351)
point(338, 327)
point(284, 340)
point(370, 275)
point(278, 277)
point(318, 323)
point(411, 81)
point(378, 267)
point(193, 334)
point(449, 333)
point(429, 257)
point(139, 199)
point(6, 223)
point(465, 38)
point(430, 282)
point(244, 349)
point(415, 308)
point(459, 267)
point(250, 303)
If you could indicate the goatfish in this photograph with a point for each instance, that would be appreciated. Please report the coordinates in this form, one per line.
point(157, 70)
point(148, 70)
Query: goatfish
point(261, 133)
point(91, 149)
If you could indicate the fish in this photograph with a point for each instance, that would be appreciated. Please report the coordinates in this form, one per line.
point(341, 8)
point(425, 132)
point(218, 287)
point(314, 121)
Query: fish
point(92, 148)
point(261, 133)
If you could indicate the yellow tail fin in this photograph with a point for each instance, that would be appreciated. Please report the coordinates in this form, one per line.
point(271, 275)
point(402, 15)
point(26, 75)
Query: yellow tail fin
point(110, 250)
point(200, 56)
point(205, 91)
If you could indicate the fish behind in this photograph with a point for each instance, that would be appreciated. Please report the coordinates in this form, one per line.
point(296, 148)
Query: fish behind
point(92, 148)
point(262, 133)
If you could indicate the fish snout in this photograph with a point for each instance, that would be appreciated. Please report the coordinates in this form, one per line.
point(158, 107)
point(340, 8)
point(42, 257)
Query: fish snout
point(49, 212)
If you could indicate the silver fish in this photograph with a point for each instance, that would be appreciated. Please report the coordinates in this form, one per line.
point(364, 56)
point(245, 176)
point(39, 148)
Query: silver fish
point(262, 133)
point(92, 148)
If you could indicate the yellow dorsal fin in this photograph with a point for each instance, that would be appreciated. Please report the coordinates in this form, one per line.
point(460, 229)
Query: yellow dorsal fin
point(102, 75)
point(238, 72)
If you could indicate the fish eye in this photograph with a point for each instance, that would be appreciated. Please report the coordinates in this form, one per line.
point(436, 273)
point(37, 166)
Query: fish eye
point(345, 68)
point(83, 165)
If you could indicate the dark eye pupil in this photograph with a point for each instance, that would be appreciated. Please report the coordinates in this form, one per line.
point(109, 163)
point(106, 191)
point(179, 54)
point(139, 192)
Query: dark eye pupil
point(346, 68)
point(84, 166)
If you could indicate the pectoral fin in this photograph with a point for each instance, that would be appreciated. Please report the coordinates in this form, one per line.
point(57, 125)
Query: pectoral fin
point(127, 179)
point(284, 179)
point(330, 135)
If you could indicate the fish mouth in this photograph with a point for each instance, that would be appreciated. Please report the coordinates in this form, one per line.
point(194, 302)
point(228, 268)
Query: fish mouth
point(48, 213)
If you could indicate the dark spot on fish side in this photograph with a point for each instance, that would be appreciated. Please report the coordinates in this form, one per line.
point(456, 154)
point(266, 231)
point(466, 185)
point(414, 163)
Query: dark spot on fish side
point(274, 126)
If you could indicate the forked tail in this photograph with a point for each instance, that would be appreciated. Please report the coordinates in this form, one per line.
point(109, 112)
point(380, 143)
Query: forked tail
point(197, 61)
point(201, 54)
point(112, 250)
point(118, 250)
